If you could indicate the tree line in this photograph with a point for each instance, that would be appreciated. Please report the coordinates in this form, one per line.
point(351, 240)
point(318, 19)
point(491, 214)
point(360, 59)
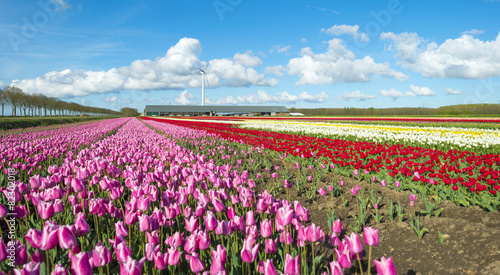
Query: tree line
point(23, 104)
point(464, 109)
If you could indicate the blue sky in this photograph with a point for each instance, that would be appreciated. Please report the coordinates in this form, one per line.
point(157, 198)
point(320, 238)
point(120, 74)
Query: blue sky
point(310, 54)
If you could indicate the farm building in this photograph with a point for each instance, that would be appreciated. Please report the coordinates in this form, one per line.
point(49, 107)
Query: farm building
point(196, 110)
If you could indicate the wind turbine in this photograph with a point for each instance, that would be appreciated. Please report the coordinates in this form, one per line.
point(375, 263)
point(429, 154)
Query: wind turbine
point(203, 77)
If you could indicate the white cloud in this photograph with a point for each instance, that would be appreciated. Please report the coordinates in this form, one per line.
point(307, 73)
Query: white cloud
point(111, 99)
point(453, 92)
point(348, 30)
point(303, 40)
point(414, 91)
point(176, 70)
point(464, 57)
point(421, 91)
point(282, 97)
point(229, 100)
point(61, 5)
point(337, 64)
point(394, 93)
point(2, 84)
point(473, 32)
point(355, 95)
point(127, 99)
point(280, 48)
point(247, 59)
point(184, 98)
point(276, 70)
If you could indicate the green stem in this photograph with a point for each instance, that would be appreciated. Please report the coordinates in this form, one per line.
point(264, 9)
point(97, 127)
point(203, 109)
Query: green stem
point(369, 260)
point(359, 262)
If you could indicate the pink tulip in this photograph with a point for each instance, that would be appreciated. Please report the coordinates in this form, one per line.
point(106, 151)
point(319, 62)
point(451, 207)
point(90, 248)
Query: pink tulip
point(370, 236)
point(218, 205)
point(268, 268)
point(33, 237)
point(80, 264)
point(145, 223)
point(3, 211)
point(3, 251)
point(231, 213)
point(160, 260)
point(176, 240)
point(355, 245)
point(153, 237)
point(121, 229)
point(336, 268)
point(173, 256)
point(284, 216)
point(313, 233)
point(271, 246)
point(250, 218)
point(150, 250)
point(132, 267)
point(122, 252)
point(223, 228)
point(191, 223)
point(321, 191)
point(82, 228)
point(266, 228)
point(397, 184)
point(337, 227)
point(101, 256)
point(46, 210)
point(344, 258)
point(67, 238)
point(354, 191)
point(59, 270)
point(58, 206)
point(292, 266)
point(195, 263)
point(211, 221)
point(385, 266)
point(285, 237)
point(334, 240)
point(191, 244)
point(49, 237)
point(383, 183)
point(355, 172)
point(28, 269)
point(203, 240)
point(249, 253)
point(218, 260)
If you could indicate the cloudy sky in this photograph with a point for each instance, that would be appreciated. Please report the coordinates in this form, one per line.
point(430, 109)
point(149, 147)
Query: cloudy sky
point(318, 53)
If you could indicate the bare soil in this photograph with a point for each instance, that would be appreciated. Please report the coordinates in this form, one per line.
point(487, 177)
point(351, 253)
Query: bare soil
point(471, 235)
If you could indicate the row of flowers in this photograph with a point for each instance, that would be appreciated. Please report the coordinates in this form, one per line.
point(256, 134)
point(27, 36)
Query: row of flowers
point(467, 139)
point(458, 175)
point(369, 119)
point(136, 202)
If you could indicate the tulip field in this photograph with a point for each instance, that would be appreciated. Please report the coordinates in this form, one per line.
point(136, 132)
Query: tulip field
point(251, 196)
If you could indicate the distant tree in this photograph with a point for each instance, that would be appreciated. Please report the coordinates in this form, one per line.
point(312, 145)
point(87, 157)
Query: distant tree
point(129, 112)
point(15, 97)
point(3, 99)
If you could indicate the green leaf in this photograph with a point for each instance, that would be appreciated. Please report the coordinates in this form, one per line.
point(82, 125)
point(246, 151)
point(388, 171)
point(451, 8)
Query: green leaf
point(441, 237)
point(318, 259)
